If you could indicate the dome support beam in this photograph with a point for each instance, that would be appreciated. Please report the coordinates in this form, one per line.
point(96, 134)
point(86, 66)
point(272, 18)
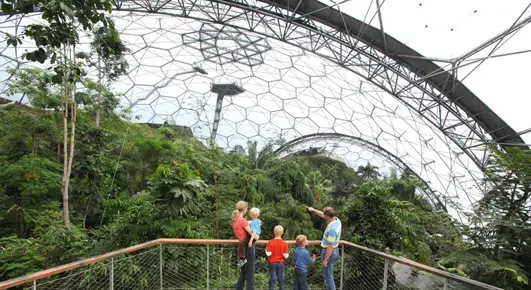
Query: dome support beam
point(431, 91)
point(288, 149)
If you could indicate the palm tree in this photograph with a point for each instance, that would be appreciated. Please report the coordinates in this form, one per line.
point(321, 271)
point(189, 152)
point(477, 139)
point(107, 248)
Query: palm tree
point(257, 161)
point(317, 185)
point(368, 172)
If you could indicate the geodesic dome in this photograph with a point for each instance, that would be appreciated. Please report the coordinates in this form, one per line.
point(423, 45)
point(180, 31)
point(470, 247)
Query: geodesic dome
point(308, 74)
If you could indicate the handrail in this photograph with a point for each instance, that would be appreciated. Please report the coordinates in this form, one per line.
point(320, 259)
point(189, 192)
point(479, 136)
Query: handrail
point(63, 268)
point(85, 262)
point(221, 242)
point(422, 267)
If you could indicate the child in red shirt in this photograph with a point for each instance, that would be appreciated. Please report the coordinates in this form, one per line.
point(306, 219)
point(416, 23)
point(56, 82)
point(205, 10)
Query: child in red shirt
point(277, 251)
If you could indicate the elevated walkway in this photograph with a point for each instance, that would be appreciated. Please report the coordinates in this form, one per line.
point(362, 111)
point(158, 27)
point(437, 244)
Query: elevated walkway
point(212, 264)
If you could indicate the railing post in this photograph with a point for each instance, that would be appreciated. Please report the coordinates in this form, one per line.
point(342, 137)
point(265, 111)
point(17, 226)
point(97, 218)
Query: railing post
point(386, 270)
point(160, 266)
point(342, 267)
point(34, 287)
point(208, 267)
point(111, 274)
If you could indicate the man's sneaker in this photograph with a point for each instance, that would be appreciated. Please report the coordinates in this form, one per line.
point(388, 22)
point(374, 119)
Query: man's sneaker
point(242, 262)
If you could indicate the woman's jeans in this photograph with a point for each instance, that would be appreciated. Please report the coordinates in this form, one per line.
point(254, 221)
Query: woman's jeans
point(328, 272)
point(247, 271)
point(300, 280)
point(276, 271)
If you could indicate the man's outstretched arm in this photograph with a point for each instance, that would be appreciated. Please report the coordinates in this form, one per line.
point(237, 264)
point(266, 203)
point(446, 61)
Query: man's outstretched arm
point(315, 211)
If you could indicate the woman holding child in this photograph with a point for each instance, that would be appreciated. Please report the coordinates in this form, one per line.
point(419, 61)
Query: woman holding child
point(246, 254)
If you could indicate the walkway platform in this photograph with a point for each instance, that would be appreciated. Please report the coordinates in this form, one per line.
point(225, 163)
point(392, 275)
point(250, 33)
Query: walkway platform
point(212, 264)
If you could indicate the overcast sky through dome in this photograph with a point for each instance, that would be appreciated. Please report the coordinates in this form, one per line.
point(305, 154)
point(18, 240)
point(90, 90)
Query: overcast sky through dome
point(451, 28)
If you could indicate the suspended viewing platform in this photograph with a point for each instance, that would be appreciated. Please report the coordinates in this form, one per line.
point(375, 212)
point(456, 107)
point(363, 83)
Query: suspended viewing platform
point(212, 264)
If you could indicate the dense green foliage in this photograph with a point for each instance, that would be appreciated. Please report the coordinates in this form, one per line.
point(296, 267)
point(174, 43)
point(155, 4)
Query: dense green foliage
point(132, 183)
point(501, 228)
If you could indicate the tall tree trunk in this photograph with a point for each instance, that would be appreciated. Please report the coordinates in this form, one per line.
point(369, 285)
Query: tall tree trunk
point(58, 155)
point(34, 138)
point(59, 141)
point(20, 217)
point(85, 214)
point(246, 185)
point(244, 193)
point(98, 108)
point(70, 92)
point(66, 176)
point(58, 148)
point(71, 153)
point(217, 200)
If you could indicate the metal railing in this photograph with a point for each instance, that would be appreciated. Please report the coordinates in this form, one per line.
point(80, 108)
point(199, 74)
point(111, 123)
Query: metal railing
point(212, 264)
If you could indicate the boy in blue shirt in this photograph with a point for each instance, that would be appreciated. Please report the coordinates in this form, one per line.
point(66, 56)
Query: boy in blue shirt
point(302, 260)
point(255, 224)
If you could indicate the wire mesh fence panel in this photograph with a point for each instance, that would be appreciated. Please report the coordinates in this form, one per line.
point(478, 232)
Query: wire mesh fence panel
point(201, 266)
point(95, 276)
point(137, 271)
point(362, 270)
point(262, 272)
point(184, 267)
point(401, 276)
point(130, 271)
point(457, 285)
point(315, 274)
point(223, 270)
point(262, 269)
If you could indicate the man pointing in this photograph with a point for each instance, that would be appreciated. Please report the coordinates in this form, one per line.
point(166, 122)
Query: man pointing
point(329, 244)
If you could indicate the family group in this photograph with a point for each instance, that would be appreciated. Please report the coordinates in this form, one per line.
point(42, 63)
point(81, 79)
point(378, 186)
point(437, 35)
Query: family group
point(248, 232)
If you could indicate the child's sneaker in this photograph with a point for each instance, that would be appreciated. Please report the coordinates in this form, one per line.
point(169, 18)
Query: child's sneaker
point(242, 262)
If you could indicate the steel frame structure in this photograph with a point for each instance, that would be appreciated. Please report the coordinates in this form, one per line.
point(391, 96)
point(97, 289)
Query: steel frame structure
point(247, 50)
point(418, 82)
point(426, 89)
point(287, 149)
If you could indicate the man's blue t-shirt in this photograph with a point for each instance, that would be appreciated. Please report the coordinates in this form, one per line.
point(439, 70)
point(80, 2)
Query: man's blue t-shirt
point(302, 259)
point(255, 226)
point(332, 234)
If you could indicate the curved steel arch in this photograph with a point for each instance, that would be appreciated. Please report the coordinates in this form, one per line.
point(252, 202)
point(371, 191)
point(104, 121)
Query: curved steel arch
point(372, 147)
point(419, 83)
point(308, 30)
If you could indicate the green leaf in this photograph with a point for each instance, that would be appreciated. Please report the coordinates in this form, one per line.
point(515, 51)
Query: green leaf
point(523, 279)
point(7, 8)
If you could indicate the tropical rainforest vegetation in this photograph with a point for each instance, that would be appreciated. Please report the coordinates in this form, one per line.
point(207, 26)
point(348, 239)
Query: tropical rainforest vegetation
point(78, 179)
